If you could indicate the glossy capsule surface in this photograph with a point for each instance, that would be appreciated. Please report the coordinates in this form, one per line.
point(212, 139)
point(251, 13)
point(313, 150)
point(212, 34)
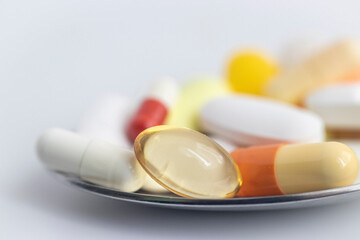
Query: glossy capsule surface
point(187, 162)
point(288, 169)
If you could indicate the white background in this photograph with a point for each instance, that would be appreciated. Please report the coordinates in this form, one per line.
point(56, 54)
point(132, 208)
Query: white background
point(56, 56)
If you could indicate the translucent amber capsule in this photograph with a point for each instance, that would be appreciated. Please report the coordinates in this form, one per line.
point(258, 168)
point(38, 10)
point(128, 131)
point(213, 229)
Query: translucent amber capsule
point(187, 162)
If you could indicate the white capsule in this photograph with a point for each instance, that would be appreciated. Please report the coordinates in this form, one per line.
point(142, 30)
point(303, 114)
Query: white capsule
point(154, 108)
point(94, 161)
point(338, 105)
point(106, 120)
point(164, 90)
point(250, 120)
point(107, 117)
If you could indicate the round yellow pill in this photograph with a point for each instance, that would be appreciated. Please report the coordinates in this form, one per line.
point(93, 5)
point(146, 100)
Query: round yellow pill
point(187, 162)
point(250, 71)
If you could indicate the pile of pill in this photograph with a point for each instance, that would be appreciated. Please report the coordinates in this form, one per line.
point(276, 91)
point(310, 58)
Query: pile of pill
point(262, 129)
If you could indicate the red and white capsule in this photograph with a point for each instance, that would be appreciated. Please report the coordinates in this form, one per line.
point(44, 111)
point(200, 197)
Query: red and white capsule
point(154, 108)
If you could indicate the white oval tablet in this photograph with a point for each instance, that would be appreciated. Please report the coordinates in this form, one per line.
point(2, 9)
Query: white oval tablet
point(337, 104)
point(251, 120)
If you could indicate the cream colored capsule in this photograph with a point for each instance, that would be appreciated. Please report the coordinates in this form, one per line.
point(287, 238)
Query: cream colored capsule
point(328, 66)
point(95, 161)
point(287, 169)
point(187, 162)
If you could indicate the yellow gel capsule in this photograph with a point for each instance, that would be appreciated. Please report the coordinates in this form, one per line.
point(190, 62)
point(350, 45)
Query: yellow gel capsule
point(187, 162)
point(249, 72)
point(193, 96)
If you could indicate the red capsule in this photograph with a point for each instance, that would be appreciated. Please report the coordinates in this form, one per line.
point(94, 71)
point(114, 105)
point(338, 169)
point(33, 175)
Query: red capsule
point(151, 113)
point(154, 109)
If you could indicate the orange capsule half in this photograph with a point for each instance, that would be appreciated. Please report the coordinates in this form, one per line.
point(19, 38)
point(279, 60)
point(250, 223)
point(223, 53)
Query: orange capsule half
point(289, 169)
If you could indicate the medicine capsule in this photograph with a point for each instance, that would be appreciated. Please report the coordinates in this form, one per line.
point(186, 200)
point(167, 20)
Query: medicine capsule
point(328, 66)
point(288, 169)
point(154, 109)
point(249, 71)
point(105, 120)
point(187, 162)
point(299, 50)
point(94, 161)
point(192, 97)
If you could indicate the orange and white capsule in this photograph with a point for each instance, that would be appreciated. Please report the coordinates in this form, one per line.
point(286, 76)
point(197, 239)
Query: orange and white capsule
point(154, 108)
point(288, 169)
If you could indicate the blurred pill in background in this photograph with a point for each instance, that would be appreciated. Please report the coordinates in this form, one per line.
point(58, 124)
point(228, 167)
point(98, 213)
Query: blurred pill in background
point(192, 97)
point(249, 71)
point(105, 119)
point(330, 65)
point(338, 105)
point(154, 108)
point(95, 161)
point(251, 120)
point(299, 50)
point(187, 162)
point(289, 169)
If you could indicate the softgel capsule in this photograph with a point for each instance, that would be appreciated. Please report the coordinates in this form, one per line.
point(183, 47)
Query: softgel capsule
point(187, 162)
